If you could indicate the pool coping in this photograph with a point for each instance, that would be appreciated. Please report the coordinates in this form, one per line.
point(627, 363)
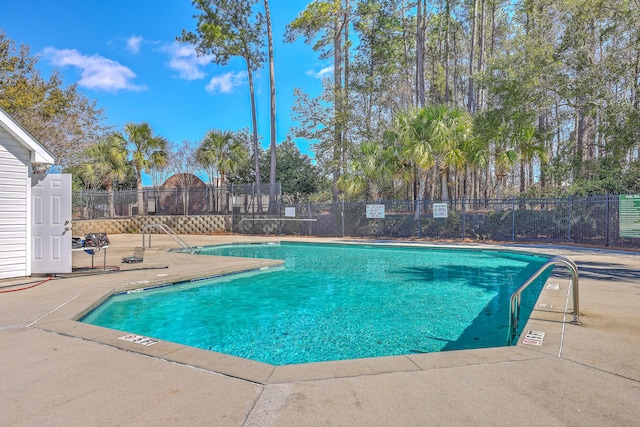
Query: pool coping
point(550, 316)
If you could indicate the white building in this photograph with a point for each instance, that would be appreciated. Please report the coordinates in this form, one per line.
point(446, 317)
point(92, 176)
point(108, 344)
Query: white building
point(18, 152)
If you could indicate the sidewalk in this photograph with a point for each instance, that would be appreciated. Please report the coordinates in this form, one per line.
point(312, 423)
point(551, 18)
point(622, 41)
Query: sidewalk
point(56, 371)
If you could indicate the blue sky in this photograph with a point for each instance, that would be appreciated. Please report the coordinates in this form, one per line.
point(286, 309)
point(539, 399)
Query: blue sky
point(124, 55)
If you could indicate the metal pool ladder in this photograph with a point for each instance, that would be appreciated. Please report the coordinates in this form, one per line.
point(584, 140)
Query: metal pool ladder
point(184, 245)
point(514, 302)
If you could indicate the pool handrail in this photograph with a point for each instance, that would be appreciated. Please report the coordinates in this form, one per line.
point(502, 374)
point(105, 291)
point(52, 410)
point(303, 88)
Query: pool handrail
point(169, 231)
point(514, 301)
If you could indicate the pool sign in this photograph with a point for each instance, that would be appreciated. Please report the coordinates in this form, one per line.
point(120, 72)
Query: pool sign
point(375, 211)
point(629, 215)
point(290, 212)
point(440, 210)
point(139, 339)
point(533, 338)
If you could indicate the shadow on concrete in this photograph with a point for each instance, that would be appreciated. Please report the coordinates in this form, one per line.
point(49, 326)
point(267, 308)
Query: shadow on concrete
point(601, 271)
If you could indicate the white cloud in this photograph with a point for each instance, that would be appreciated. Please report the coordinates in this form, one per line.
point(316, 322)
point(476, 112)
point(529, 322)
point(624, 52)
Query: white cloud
point(133, 44)
point(320, 74)
point(97, 72)
point(186, 61)
point(225, 83)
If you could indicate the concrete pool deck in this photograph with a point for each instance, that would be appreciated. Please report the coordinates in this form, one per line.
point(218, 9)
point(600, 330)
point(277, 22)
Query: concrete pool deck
point(56, 371)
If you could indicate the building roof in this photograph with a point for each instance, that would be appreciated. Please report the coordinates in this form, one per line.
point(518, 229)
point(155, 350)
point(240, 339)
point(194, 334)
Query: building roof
point(38, 153)
point(178, 180)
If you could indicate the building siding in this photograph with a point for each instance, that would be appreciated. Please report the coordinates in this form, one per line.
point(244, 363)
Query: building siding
point(14, 185)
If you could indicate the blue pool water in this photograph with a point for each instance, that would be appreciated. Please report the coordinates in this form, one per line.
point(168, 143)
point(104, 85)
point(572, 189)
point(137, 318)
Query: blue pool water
point(334, 302)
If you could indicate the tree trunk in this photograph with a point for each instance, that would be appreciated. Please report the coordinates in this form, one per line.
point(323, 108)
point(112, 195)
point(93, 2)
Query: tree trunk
point(635, 96)
point(422, 187)
point(454, 98)
point(493, 28)
point(499, 181)
point(141, 207)
point(478, 178)
point(272, 111)
point(584, 137)
point(112, 210)
point(542, 129)
point(224, 199)
point(407, 93)
point(345, 87)
point(523, 175)
point(444, 182)
point(420, 34)
point(481, 56)
point(254, 122)
point(337, 105)
point(434, 183)
point(471, 93)
point(447, 17)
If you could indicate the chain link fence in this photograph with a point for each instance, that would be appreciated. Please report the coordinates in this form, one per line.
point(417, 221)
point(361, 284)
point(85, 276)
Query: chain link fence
point(593, 221)
point(172, 201)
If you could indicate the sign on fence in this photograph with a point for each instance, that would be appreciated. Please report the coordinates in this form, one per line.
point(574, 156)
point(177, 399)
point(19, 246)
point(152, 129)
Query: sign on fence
point(440, 210)
point(629, 215)
point(290, 212)
point(375, 211)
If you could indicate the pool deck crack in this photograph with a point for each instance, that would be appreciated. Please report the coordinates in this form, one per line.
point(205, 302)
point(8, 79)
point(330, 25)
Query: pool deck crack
point(635, 380)
point(57, 308)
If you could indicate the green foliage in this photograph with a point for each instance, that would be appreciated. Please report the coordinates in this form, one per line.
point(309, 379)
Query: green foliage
point(295, 172)
point(373, 166)
point(315, 23)
point(106, 164)
point(221, 152)
point(556, 84)
point(228, 28)
point(316, 122)
point(631, 178)
point(245, 172)
point(58, 116)
point(328, 23)
point(606, 175)
point(146, 148)
point(442, 228)
point(497, 226)
point(436, 136)
point(324, 193)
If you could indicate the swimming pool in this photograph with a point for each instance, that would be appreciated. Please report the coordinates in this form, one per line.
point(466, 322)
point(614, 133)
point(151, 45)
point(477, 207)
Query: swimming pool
point(335, 302)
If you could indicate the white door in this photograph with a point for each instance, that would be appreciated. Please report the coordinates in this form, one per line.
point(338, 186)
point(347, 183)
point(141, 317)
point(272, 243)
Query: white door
point(51, 223)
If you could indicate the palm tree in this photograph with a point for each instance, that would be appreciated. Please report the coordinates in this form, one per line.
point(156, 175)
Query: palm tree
point(434, 136)
point(415, 147)
point(227, 29)
point(222, 151)
point(110, 157)
point(448, 130)
point(528, 149)
point(147, 150)
point(504, 157)
point(513, 138)
point(369, 170)
point(477, 154)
